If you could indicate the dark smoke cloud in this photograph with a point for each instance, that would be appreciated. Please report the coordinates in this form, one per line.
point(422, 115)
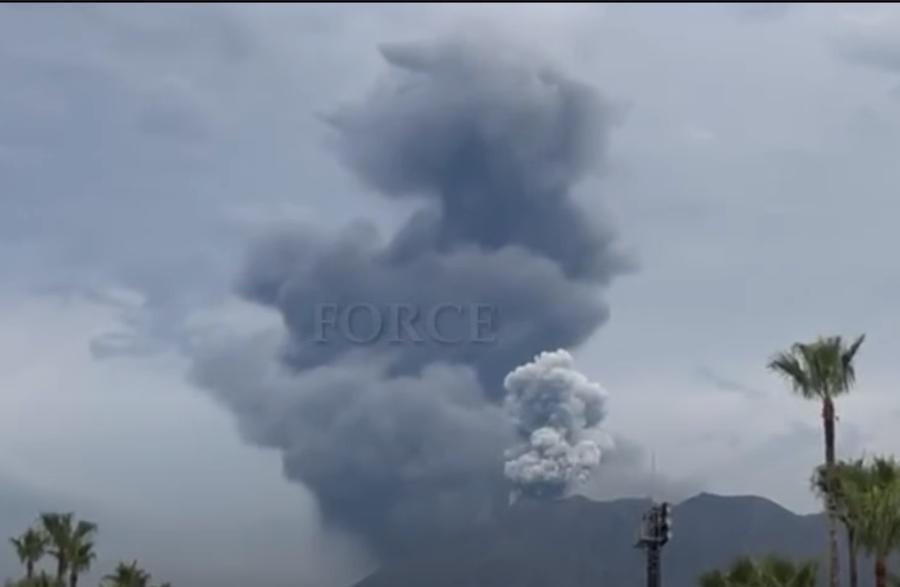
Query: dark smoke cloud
point(403, 444)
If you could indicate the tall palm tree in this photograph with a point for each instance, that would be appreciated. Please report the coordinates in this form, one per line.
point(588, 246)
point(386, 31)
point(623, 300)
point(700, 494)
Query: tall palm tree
point(66, 537)
point(127, 575)
point(877, 507)
point(81, 557)
point(822, 370)
point(58, 528)
point(849, 476)
point(30, 547)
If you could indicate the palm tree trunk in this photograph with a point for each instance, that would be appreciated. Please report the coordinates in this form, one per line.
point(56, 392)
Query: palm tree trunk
point(852, 559)
point(29, 570)
point(62, 565)
point(73, 579)
point(880, 572)
point(834, 568)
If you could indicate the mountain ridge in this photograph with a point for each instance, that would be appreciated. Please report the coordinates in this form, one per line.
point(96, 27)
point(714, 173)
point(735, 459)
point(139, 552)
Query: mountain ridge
point(578, 542)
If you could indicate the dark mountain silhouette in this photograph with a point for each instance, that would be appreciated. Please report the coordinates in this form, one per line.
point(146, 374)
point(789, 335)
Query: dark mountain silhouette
point(582, 543)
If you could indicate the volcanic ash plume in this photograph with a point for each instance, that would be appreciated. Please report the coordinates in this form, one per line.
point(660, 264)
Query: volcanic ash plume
point(557, 412)
point(403, 444)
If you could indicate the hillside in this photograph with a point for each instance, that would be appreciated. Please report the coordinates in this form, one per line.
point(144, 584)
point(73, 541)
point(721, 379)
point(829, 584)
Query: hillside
point(582, 543)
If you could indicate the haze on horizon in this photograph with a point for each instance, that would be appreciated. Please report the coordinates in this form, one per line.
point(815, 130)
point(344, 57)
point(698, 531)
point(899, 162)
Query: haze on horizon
point(143, 147)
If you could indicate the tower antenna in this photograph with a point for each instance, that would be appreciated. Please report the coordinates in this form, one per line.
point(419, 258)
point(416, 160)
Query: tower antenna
point(655, 530)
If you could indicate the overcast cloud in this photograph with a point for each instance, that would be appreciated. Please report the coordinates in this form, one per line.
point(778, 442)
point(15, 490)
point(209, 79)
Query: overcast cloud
point(141, 148)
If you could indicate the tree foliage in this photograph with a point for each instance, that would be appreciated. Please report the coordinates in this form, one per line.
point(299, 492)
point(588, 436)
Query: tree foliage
point(64, 545)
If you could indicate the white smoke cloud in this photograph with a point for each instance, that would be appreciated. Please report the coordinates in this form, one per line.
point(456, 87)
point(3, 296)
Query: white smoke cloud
point(557, 412)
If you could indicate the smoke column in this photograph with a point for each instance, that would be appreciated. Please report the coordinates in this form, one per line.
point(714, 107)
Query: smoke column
point(557, 412)
point(404, 444)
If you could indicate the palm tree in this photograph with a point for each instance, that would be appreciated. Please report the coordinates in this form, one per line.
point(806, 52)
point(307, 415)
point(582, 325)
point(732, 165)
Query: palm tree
point(81, 557)
point(30, 547)
point(848, 476)
point(58, 528)
point(742, 572)
point(66, 537)
point(822, 370)
point(41, 579)
point(771, 571)
point(877, 507)
point(127, 575)
point(776, 571)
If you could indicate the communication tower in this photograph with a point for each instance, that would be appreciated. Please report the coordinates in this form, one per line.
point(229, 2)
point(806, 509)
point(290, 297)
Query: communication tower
point(655, 532)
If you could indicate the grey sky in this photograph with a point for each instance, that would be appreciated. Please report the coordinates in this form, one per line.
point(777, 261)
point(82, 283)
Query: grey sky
point(754, 176)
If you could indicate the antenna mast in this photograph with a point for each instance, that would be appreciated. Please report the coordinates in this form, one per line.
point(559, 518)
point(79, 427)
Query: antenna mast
point(655, 530)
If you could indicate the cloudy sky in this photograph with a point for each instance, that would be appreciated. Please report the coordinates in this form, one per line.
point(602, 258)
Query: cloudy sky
point(142, 147)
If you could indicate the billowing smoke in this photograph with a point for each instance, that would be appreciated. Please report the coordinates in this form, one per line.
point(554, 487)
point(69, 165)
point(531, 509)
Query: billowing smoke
point(404, 444)
point(557, 412)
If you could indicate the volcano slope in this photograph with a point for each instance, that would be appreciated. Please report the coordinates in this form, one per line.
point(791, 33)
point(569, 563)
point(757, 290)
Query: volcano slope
point(581, 543)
